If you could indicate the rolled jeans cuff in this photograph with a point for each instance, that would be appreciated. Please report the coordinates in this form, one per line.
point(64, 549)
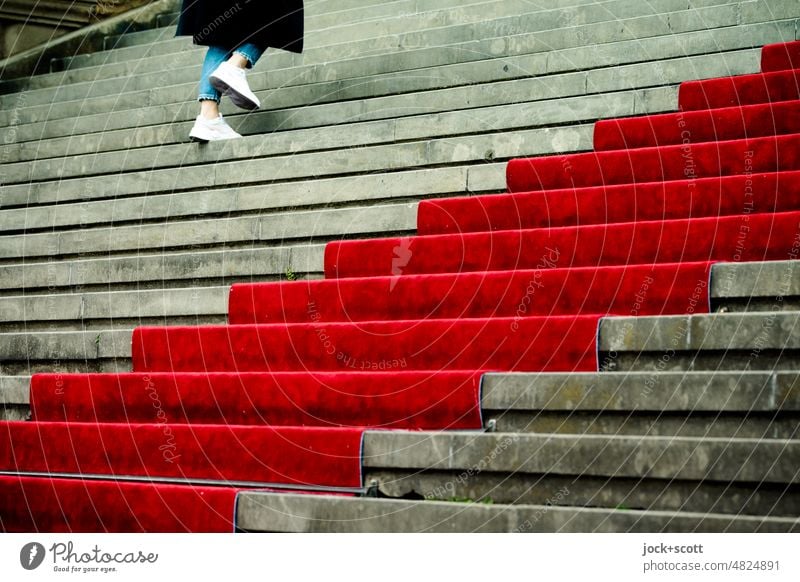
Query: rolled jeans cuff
point(250, 52)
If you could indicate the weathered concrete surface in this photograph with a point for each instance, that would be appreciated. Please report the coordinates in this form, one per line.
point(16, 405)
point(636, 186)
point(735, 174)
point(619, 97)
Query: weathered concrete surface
point(714, 404)
point(14, 397)
point(210, 267)
point(749, 476)
point(726, 341)
point(713, 459)
point(759, 286)
point(88, 39)
point(315, 513)
point(68, 351)
point(583, 490)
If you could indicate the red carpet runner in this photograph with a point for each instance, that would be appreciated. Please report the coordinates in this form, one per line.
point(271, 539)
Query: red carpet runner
point(399, 333)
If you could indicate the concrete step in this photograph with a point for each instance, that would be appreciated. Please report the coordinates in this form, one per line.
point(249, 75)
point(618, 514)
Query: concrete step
point(115, 309)
point(459, 25)
point(715, 475)
point(686, 404)
point(327, 68)
point(24, 353)
point(749, 341)
point(253, 170)
point(359, 36)
point(264, 199)
point(725, 341)
point(276, 228)
point(14, 397)
point(166, 19)
point(376, 22)
point(605, 80)
point(572, 12)
point(523, 57)
point(38, 141)
point(768, 286)
point(70, 351)
point(516, 116)
point(56, 309)
point(86, 39)
point(666, 404)
point(320, 14)
point(674, 44)
point(164, 270)
point(579, 110)
point(285, 512)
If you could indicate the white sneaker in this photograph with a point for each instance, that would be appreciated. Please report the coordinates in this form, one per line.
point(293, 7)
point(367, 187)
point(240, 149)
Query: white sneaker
point(211, 130)
point(230, 80)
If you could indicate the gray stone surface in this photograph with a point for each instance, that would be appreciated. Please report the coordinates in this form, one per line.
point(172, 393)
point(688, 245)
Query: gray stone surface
point(784, 425)
point(69, 345)
point(725, 331)
point(14, 390)
point(313, 513)
point(724, 341)
point(212, 267)
point(714, 459)
point(273, 228)
point(636, 391)
point(48, 154)
point(517, 84)
point(340, 137)
point(114, 309)
point(445, 26)
point(760, 286)
point(586, 490)
point(255, 170)
point(226, 202)
point(635, 42)
point(691, 404)
point(86, 39)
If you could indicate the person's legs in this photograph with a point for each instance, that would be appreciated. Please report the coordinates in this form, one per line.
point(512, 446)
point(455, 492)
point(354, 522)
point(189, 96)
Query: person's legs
point(209, 125)
point(207, 95)
point(224, 74)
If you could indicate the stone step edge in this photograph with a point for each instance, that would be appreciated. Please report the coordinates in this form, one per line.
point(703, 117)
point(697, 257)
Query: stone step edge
point(309, 26)
point(15, 390)
point(91, 38)
point(102, 345)
point(767, 271)
point(282, 512)
point(189, 85)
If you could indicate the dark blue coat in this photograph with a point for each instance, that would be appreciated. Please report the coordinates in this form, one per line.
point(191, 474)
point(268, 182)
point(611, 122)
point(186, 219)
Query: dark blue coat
point(229, 23)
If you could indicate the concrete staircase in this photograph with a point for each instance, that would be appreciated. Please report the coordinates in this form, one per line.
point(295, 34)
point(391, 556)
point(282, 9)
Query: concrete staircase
point(110, 219)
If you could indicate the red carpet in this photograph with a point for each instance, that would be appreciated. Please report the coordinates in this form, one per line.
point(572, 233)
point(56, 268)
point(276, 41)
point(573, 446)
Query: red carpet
point(741, 90)
point(387, 346)
point(468, 295)
point(41, 504)
point(729, 238)
point(675, 162)
point(407, 400)
point(401, 331)
point(781, 56)
point(728, 195)
point(730, 123)
point(286, 455)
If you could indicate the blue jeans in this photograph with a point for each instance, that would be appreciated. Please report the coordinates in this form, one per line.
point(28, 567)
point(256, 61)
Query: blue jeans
point(215, 56)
